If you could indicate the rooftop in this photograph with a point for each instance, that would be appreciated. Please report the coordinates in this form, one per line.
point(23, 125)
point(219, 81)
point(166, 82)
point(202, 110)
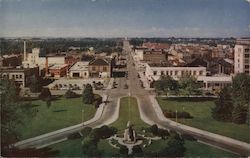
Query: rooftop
point(57, 66)
point(80, 66)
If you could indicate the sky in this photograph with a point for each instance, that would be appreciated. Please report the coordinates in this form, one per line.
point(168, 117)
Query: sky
point(124, 18)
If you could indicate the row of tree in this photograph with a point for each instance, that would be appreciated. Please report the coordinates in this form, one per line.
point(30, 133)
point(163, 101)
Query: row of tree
point(233, 102)
point(186, 85)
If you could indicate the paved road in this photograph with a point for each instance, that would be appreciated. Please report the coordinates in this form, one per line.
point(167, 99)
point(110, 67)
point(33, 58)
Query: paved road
point(149, 113)
point(106, 118)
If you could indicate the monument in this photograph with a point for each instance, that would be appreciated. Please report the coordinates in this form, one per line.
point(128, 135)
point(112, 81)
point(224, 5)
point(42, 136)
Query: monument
point(129, 134)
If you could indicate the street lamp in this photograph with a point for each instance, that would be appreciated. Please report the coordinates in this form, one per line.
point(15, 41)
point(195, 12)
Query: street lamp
point(82, 116)
point(176, 116)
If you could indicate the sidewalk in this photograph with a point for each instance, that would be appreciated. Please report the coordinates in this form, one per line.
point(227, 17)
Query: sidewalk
point(196, 131)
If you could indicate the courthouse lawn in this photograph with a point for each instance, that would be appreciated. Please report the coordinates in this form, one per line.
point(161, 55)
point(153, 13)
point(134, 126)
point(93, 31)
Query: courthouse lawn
point(129, 112)
point(73, 148)
point(62, 113)
point(201, 111)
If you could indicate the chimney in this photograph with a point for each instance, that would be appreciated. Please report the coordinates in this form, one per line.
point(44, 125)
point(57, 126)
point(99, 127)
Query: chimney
point(46, 66)
point(24, 51)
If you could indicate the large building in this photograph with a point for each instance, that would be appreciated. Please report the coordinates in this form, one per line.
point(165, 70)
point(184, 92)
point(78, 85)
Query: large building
point(242, 56)
point(10, 60)
point(58, 71)
point(99, 68)
point(22, 76)
point(79, 70)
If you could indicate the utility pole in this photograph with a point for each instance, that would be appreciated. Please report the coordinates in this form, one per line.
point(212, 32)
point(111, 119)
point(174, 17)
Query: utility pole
point(176, 117)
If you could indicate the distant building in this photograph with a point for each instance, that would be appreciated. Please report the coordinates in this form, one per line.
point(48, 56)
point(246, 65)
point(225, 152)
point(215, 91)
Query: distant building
point(10, 60)
point(242, 56)
point(79, 70)
point(58, 71)
point(155, 71)
point(22, 76)
point(99, 68)
point(154, 56)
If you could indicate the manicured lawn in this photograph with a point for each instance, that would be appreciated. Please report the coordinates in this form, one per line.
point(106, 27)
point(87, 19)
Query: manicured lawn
point(69, 148)
point(62, 113)
point(129, 112)
point(193, 149)
point(201, 111)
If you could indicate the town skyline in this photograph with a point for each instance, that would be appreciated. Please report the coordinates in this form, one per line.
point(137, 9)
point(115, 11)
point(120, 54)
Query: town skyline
point(109, 18)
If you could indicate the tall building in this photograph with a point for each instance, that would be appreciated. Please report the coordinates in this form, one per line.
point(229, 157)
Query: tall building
point(242, 56)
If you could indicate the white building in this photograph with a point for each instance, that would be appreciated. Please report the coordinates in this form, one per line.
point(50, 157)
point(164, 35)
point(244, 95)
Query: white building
point(79, 69)
point(154, 72)
point(242, 56)
point(215, 82)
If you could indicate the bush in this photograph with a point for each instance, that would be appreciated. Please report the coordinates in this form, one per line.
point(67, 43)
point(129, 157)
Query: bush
point(239, 115)
point(123, 150)
point(70, 94)
point(86, 131)
point(137, 149)
point(97, 102)
point(74, 136)
point(172, 114)
point(154, 129)
point(162, 133)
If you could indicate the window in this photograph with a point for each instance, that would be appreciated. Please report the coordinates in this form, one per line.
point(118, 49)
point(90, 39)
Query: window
point(167, 72)
point(13, 76)
point(246, 66)
point(239, 49)
point(20, 76)
point(93, 68)
point(17, 76)
point(200, 73)
point(104, 68)
point(171, 73)
point(194, 73)
point(247, 72)
point(246, 55)
point(176, 73)
point(247, 50)
point(155, 73)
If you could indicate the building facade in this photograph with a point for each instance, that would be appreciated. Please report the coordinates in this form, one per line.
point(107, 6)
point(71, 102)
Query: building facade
point(99, 68)
point(242, 56)
point(22, 76)
point(79, 70)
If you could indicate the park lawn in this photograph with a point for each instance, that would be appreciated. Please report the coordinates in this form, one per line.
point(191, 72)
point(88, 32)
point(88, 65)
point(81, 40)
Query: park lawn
point(129, 112)
point(62, 113)
point(193, 149)
point(201, 111)
point(73, 148)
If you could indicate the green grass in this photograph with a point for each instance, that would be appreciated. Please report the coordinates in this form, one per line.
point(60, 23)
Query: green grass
point(107, 149)
point(62, 113)
point(69, 148)
point(201, 111)
point(193, 149)
point(129, 112)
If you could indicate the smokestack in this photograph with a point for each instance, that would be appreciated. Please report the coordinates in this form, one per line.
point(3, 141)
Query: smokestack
point(46, 66)
point(24, 51)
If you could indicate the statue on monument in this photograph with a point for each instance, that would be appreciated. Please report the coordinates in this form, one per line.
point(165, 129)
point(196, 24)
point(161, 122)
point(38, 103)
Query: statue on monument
point(129, 134)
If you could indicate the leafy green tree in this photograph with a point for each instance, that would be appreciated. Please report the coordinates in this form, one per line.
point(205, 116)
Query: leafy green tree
point(223, 106)
point(241, 97)
point(175, 147)
point(239, 114)
point(241, 89)
point(45, 94)
point(88, 95)
point(12, 114)
point(166, 84)
point(189, 85)
point(70, 94)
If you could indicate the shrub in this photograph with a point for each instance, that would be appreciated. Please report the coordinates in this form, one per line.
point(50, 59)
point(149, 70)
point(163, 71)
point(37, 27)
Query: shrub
point(137, 149)
point(74, 136)
point(123, 150)
point(154, 129)
point(70, 94)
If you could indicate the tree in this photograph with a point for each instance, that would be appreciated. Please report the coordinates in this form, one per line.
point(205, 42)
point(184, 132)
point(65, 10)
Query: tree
point(154, 129)
point(189, 85)
point(239, 114)
point(45, 94)
point(70, 94)
point(166, 84)
point(241, 93)
point(12, 114)
point(223, 106)
point(241, 89)
point(88, 95)
point(175, 147)
point(35, 86)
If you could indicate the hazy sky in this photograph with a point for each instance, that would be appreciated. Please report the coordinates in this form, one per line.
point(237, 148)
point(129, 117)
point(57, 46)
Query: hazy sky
point(121, 18)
